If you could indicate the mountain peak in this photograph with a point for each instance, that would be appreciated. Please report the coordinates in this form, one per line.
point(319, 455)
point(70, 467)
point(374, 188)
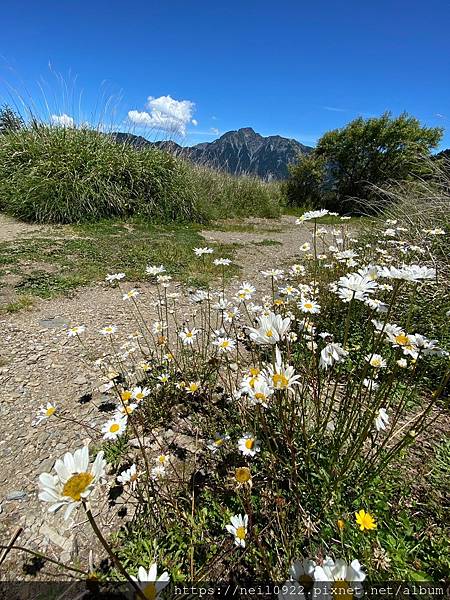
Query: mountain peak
point(242, 151)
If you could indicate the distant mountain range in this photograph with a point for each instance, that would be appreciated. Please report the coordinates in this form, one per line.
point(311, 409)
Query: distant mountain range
point(237, 152)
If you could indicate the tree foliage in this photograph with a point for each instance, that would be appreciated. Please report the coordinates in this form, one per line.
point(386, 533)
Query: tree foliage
point(364, 154)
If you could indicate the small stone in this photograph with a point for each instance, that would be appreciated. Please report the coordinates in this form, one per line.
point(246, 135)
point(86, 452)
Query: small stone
point(80, 380)
point(16, 495)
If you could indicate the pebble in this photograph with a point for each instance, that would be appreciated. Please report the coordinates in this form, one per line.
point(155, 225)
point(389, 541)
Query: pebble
point(80, 380)
point(16, 495)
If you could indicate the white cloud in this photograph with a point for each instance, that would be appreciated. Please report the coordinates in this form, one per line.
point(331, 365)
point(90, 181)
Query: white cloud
point(194, 122)
point(165, 114)
point(214, 130)
point(62, 120)
point(440, 116)
point(334, 109)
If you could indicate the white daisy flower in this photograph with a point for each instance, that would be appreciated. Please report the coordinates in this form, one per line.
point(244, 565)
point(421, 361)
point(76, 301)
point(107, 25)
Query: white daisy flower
point(312, 214)
point(331, 354)
point(309, 306)
point(280, 376)
point(74, 480)
point(139, 392)
point(246, 291)
point(276, 274)
point(158, 472)
point(149, 582)
point(408, 273)
point(249, 445)
point(108, 330)
point(115, 427)
point(130, 294)
point(297, 269)
point(224, 262)
point(272, 328)
point(260, 393)
point(44, 413)
point(127, 409)
point(217, 442)
point(154, 270)
point(238, 528)
point(76, 330)
point(224, 344)
point(376, 361)
point(338, 576)
point(115, 277)
point(382, 419)
point(301, 576)
point(129, 476)
point(370, 384)
point(188, 336)
point(202, 251)
point(192, 387)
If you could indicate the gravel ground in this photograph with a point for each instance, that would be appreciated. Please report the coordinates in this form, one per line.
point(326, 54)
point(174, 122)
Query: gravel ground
point(40, 364)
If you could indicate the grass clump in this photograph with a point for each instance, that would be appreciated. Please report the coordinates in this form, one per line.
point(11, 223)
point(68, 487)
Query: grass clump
point(61, 175)
point(46, 267)
point(222, 195)
point(54, 174)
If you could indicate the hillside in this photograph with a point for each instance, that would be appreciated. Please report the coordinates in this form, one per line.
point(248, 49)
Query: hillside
point(237, 152)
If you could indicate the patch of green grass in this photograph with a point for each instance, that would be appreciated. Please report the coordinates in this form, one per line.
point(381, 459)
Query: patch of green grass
point(243, 227)
point(49, 267)
point(22, 302)
point(268, 243)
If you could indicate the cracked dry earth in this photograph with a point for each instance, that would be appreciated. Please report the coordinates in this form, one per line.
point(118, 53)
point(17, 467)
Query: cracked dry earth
point(39, 363)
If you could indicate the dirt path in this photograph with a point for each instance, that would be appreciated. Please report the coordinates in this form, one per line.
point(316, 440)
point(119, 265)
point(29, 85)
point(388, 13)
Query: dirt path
point(40, 364)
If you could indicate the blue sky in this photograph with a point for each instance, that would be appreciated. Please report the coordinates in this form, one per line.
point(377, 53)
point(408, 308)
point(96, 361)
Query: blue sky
point(291, 68)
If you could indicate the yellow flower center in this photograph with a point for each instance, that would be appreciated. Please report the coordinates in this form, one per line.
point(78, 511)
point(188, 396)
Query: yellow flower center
point(249, 443)
point(161, 459)
point(125, 395)
point(149, 591)
point(342, 589)
point(243, 474)
point(114, 428)
point(402, 339)
point(76, 485)
point(50, 411)
point(225, 344)
point(193, 387)
point(139, 396)
point(280, 381)
point(240, 533)
point(269, 333)
point(260, 396)
point(308, 305)
point(254, 372)
point(218, 442)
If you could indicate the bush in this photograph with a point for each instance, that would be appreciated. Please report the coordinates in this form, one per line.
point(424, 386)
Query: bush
point(348, 162)
point(62, 175)
point(220, 195)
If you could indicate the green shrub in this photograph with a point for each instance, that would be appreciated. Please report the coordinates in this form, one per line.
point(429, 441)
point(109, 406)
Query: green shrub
point(348, 163)
point(220, 195)
point(62, 175)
